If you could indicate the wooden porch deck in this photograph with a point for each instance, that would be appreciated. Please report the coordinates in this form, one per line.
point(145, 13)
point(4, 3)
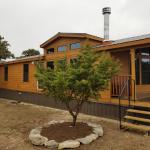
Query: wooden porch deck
point(126, 102)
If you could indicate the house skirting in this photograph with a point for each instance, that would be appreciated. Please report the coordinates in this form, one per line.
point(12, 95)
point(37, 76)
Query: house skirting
point(91, 108)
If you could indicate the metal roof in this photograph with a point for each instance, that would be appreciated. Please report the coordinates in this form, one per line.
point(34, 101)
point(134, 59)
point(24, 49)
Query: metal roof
point(135, 38)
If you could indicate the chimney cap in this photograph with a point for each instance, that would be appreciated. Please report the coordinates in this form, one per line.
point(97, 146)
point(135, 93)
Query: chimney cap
point(106, 10)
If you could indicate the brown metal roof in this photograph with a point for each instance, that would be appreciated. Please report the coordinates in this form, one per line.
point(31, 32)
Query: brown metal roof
point(79, 35)
point(24, 59)
point(123, 43)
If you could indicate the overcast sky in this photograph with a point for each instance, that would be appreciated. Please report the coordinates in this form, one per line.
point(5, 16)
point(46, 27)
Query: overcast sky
point(28, 23)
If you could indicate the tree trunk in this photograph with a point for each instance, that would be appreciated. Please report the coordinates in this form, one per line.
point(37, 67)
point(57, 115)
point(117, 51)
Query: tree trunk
point(74, 120)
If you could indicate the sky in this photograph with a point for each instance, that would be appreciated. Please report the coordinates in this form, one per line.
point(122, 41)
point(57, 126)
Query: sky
point(28, 23)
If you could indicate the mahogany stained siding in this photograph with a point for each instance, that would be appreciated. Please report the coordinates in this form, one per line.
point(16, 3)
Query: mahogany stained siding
point(15, 69)
point(15, 78)
point(67, 42)
point(124, 58)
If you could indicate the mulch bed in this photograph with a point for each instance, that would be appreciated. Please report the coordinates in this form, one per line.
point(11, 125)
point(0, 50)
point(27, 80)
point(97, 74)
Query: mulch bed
point(64, 131)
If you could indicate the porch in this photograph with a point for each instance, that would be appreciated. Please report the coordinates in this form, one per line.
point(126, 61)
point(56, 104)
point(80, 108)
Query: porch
point(125, 102)
point(133, 80)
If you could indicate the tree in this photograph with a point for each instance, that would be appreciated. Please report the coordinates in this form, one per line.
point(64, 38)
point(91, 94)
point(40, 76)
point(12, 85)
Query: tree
point(4, 52)
point(80, 80)
point(30, 52)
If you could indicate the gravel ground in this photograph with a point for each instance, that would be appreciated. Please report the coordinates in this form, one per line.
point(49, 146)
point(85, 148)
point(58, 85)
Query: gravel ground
point(16, 121)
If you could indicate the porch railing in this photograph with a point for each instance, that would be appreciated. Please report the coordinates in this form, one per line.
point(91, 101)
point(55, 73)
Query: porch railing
point(117, 84)
point(126, 86)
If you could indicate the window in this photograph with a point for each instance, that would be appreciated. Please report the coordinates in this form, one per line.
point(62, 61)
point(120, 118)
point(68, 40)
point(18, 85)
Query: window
point(61, 61)
point(6, 72)
point(50, 50)
point(75, 46)
point(143, 65)
point(50, 64)
point(73, 60)
point(40, 64)
point(25, 72)
point(62, 48)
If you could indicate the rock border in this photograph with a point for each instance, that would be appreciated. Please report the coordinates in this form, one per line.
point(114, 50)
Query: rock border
point(37, 139)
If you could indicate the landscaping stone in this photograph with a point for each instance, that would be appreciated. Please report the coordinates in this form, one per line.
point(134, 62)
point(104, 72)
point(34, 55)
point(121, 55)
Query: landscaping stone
point(36, 130)
point(88, 139)
point(93, 125)
point(51, 144)
point(69, 144)
point(98, 131)
point(37, 139)
point(52, 122)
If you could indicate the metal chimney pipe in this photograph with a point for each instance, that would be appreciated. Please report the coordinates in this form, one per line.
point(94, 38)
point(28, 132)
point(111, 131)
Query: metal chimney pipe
point(106, 12)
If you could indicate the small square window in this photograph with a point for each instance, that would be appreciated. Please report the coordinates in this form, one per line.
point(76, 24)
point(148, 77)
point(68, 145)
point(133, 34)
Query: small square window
point(50, 50)
point(75, 46)
point(62, 48)
point(73, 60)
point(50, 64)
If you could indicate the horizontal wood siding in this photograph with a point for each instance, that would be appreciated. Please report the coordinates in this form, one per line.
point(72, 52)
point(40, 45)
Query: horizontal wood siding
point(15, 78)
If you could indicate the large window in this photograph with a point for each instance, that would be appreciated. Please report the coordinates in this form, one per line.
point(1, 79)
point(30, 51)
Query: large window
point(6, 72)
point(62, 48)
point(143, 66)
point(50, 50)
point(145, 70)
point(75, 46)
point(25, 72)
point(50, 64)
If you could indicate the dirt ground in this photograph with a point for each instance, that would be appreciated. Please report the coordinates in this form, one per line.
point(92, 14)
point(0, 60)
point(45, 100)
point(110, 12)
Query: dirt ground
point(16, 121)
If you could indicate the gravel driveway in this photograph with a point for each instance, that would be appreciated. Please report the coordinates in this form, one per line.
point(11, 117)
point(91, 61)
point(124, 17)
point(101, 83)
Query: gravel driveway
point(16, 120)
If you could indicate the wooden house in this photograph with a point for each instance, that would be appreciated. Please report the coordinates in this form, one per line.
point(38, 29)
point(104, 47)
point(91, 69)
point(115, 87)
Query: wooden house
point(133, 53)
point(131, 87)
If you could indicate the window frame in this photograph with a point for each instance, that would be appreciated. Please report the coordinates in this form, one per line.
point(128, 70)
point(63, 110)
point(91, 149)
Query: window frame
point(74, 59)
point(5, 72)
point(50, 67)
point(25, 73)
point(75, 48)
point(49, 51)
point(62, 46)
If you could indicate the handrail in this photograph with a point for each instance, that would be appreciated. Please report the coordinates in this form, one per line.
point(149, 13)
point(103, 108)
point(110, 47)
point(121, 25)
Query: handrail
point(134, 89)
point(116, 84)
point(120, 116)
point(126, 84)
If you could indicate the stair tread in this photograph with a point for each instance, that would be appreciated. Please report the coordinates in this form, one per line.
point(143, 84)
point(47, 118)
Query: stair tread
point(141, 104)
point(139, 111)
point(135, 126)
point(137, 119)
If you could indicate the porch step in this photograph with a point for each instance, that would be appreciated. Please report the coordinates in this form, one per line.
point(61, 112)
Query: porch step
point(143, 128)
point(139, 111)
point(137, 119)
point(142, 105)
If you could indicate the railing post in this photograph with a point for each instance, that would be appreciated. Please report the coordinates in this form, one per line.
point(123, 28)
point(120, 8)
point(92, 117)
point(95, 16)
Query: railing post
point(120, 112)
point(133, 71)
point(129, 91)
point(134, 90)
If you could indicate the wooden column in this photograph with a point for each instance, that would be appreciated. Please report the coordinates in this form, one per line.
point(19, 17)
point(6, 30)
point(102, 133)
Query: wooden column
point(133, 72)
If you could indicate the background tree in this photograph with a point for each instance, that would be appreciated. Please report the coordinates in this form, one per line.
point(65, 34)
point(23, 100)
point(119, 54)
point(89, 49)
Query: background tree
point(4, 52)
point(30, 52)
point(80, 80)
